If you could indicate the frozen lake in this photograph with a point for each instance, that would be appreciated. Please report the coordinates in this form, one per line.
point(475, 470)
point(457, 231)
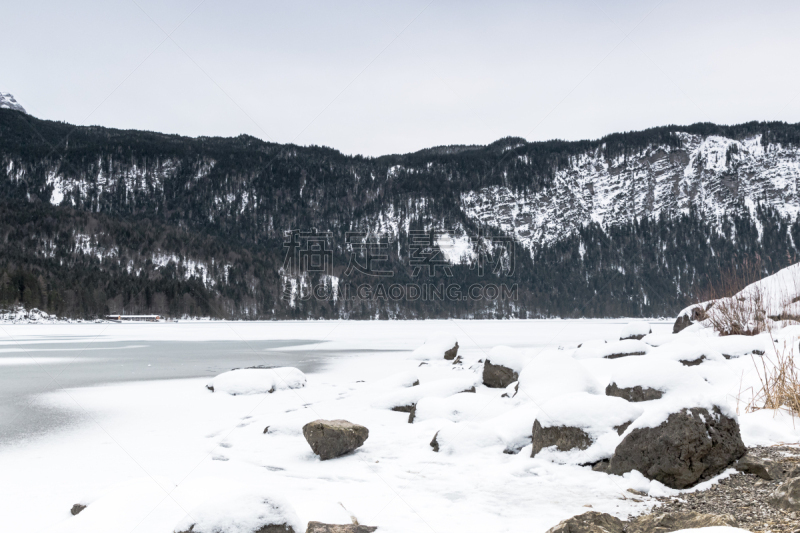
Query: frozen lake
point(41, 364)
point(36, 359)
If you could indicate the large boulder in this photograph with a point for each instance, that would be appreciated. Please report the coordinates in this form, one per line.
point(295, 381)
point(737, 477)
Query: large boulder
point(498, 376)
point(633, 394)
point(591, 522)
point(691, 445)
point(787, 496)
point(564, 438)
point(667, 522)
point(319, 527)
point(332, 438)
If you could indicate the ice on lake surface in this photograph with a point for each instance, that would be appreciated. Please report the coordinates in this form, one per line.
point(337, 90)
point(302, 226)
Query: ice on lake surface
point(119, 417)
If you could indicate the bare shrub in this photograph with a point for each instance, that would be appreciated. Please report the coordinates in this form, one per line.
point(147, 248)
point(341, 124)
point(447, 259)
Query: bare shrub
point(735, 316)
point(738, 305)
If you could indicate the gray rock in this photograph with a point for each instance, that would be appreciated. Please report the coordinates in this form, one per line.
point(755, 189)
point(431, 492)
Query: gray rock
point(404, 408)
point(666, 522)
point(435, 443)
point(451, 353)
point(623, 354)
point(601, 466)
point(622, 427)
point(681, 323)
point(77, 508)
point(750, 464)
point(319, 527)
point(412, 413)
point(633, 394)
point(689, 446)
point(693, 362)
point(787, 496)
point(562, 437)
point(332, 438)
point(498, 376)
point(591, 522)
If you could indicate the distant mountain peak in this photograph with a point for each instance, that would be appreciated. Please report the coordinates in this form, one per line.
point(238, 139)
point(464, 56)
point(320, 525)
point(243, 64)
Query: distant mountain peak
point(7, 101)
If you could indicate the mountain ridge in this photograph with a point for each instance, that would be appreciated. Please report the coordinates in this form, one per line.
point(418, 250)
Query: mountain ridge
point(213, 203)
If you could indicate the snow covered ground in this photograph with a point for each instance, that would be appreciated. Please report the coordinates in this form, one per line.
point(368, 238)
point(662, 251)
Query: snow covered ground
point(152, 456)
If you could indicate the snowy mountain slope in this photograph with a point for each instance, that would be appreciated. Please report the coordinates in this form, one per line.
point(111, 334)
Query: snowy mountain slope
point(7, 101)
point(714, 174)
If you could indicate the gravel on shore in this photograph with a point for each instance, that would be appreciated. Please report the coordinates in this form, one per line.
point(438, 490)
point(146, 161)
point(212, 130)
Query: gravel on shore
point(744, 496)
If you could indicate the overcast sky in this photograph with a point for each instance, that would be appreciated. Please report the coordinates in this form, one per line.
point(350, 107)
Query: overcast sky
point(385, 77)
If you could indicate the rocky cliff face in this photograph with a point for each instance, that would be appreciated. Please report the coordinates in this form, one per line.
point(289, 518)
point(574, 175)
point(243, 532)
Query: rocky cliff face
point(713, 174)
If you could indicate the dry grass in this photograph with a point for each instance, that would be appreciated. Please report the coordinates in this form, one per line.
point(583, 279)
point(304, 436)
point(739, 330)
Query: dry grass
point(779, 376)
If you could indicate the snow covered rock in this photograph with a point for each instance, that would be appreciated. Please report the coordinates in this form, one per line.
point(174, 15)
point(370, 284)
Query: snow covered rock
point(676, 521)
point(576, 421)
point(451, 353)
point(787, 496)
point(436, 348)
point(257, 380)
point(319, 527)
point(634, 394)
point(635, 330)
point(564, 438)
point(242, 511)
point(498, 376)
point(690, 445)
point(554, 374)
point(591, 522)
point(657, 372)
point(612, 350)
point(502, 367)
point(405, 399)
point(332, 438)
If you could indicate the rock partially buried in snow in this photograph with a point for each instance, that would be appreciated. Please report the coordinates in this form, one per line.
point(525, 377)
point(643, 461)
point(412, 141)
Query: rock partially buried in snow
point(633, 394)
point(242, 511)
point(77, 508)
point(257, 380)
point(787, 496)
point(435, 443)
point(436, 347)
point(319, 527)
point(564, 438)
point(667, 522)
point(591, 522)
point(635, 330)
point(612, 350)
point(332, 438)
point(690, 445)
point(451, 353)
point(498, 376)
